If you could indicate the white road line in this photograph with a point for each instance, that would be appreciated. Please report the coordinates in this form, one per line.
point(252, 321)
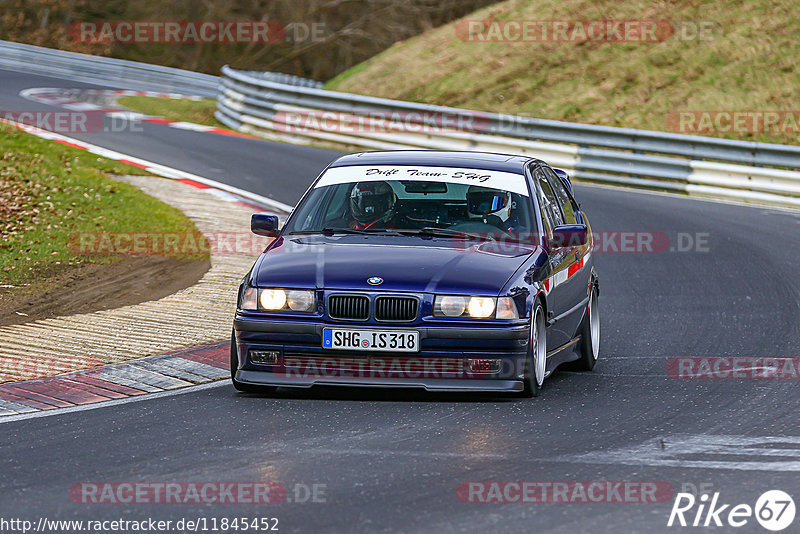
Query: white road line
point(736, 453)
point(127, 115)
point(191, 126)
point(81, 106)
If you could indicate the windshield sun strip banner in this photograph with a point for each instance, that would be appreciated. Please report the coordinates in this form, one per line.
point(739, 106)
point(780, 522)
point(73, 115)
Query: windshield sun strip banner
point(506, 181)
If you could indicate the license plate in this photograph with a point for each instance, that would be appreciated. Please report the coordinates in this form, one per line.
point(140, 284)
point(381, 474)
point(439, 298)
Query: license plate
point(382, 340)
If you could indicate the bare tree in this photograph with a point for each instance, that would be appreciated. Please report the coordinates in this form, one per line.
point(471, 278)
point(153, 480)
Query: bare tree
point(322, 37)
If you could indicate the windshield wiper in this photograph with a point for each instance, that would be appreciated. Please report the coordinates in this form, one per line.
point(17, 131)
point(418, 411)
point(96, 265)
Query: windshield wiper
point(331, 231)
point(328, 231)
point(445, 232)
point(385, 231)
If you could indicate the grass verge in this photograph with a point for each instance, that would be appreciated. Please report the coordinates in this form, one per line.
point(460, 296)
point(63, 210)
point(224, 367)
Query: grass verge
point(49, 193)
point(196, 111)
point(745, 59)
point(201, 112)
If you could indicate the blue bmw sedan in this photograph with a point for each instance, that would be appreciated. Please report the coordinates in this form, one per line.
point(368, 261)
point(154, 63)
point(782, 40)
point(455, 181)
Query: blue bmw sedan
point(446, 271)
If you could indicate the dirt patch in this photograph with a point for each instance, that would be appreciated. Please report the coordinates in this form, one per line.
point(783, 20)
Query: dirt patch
point(73, 289)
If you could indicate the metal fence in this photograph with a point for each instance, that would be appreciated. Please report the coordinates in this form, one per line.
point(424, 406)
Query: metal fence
point(103, 70)
point(122, 73)
point(703, 166)
point(289, 108)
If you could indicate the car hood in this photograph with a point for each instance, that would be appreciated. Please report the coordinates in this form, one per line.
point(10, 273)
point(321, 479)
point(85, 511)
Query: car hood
point(404, 263)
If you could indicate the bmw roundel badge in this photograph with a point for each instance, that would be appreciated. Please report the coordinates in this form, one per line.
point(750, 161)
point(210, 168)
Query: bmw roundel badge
point(375, 280)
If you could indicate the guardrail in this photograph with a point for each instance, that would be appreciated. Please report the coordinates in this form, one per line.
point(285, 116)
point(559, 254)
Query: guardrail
point(122, 73)
point(295, 109)
point(702, 166)
point(101, 70)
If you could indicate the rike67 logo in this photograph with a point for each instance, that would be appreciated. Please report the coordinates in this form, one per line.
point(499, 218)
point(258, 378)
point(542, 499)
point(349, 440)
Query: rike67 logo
point(774, 510)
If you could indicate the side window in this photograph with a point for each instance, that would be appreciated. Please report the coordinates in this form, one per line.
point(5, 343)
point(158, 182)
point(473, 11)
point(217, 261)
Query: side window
point(564, 199)
point(547, 199)
point(305, 217)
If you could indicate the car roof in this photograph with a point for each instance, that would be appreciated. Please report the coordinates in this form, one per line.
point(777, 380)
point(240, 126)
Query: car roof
point(439, 158)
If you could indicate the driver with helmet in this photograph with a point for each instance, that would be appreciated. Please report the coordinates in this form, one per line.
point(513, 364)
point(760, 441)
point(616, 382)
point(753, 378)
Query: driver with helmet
point(372, 205)
point(494, 206)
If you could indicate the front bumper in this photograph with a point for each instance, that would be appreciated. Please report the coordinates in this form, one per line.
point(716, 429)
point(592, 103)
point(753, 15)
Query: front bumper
point(440, 365)
point(429, 384)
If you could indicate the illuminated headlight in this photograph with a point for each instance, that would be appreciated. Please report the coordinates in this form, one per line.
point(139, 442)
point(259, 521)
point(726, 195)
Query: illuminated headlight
point(475, 307)
point(272, 299)
point(295, 300)
point(481, 307)
point(292, 300)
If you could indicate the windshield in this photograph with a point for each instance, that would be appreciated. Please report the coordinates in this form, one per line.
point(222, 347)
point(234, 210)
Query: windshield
point(399, 206)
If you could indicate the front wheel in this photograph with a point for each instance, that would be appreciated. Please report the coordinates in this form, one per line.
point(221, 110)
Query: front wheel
point(536, 362)
point(247, 388)
point(589, 348)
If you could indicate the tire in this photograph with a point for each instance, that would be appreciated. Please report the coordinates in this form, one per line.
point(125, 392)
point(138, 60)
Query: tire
point(536, 362)
point(589, 346)
point(246, 388)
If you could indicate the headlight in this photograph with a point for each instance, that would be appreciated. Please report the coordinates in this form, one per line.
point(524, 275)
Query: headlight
point(475, 307)
point(451, 306)
point(272, 299)
point(292, 300)
point(480, 307)
point(249, 299)
point(301, 301)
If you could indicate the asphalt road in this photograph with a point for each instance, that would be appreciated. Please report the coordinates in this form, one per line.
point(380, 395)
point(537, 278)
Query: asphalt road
point(392, 461)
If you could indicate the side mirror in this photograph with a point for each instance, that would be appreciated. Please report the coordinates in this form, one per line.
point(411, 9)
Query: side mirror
point(564, 178)
point(569, 235)
point(263, 224)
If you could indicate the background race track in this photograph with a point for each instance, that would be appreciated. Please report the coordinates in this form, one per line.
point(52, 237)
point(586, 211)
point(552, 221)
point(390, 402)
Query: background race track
point(391, 461)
